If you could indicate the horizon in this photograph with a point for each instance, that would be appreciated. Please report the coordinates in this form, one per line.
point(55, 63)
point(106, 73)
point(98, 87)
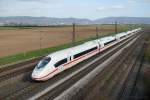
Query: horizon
point(75, 17)
point(75, 9)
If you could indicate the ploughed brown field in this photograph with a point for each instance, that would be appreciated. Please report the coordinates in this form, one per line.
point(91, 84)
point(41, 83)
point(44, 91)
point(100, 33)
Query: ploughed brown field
point(17, 40)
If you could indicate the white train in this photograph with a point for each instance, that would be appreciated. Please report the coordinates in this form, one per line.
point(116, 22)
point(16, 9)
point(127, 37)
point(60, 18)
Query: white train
point(61, 60)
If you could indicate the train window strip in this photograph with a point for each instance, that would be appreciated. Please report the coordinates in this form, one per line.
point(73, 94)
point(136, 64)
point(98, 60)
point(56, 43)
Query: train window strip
point(109, 42)
point(61, 62)
point(85, 52)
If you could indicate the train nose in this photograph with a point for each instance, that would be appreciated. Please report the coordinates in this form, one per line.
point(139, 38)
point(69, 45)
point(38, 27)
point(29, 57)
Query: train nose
point(35, 75)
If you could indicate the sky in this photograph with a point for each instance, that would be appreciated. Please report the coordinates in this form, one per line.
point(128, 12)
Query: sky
point(91, 9)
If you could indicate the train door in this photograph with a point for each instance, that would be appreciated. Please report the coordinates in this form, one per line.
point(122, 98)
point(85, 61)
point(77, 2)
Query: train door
point(70, 56)
point(69, 59)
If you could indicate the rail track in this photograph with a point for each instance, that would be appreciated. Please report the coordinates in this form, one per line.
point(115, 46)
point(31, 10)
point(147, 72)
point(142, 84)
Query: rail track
point(130, 81)
point(15, 82)
point(15, 69)
point(127, 69)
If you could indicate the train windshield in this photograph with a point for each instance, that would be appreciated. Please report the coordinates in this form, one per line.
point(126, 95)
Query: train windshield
point(43, 62)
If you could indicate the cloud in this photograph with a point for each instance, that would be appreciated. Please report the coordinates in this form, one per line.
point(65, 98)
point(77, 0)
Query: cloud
point(101, 8)
point(110, 8)
point(132, 1)
point(117, 7)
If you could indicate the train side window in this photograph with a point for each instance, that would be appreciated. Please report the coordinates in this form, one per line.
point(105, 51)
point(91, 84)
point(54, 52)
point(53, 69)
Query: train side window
point(109, 42)
point(61, 62)
point(85, 52)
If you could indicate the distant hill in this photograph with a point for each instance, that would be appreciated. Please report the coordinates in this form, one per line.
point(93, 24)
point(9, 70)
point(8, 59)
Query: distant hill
point(42, 21)
point(124, 20)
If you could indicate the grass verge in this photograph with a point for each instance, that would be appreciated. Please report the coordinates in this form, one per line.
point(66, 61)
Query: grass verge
point(146, 72)
point(147, 52)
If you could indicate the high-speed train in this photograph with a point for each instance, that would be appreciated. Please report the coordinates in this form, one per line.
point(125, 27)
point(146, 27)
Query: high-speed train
point(61, 60)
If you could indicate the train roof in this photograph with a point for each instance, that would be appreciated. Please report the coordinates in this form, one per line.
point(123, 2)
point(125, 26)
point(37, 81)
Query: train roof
point(106, 39)
point(135, 30)
point(121, 34)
